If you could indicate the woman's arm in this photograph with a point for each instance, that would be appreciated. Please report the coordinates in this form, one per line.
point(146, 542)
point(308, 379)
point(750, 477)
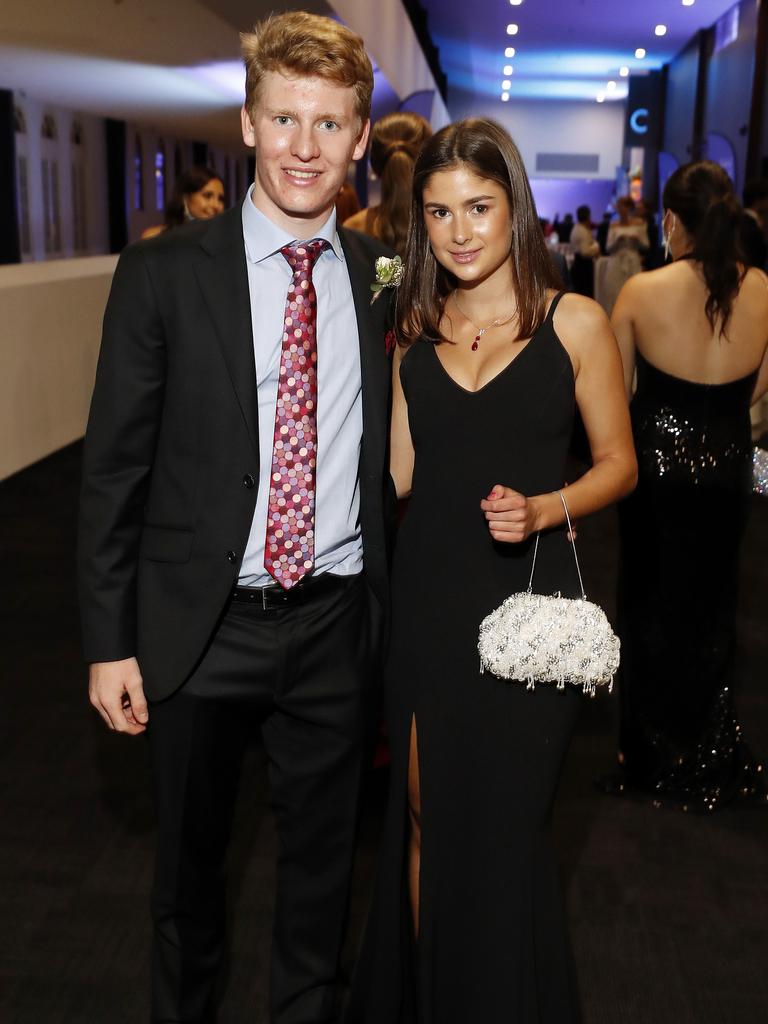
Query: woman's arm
point(761, 384)
point(587, 337)
point(622, 324)
point(401, 455)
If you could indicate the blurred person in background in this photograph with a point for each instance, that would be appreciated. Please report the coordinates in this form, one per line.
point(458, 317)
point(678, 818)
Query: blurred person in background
point(197, 195)
point(563, 227)
point(585, 250)
point(696, 334)
point(646, 212)
point(754, 223)
point(626, 243)
point(396, 141)
point(347, 203)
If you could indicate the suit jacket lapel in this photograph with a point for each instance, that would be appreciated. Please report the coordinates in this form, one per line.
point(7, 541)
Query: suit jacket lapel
point(223, 279)
point(374, 364)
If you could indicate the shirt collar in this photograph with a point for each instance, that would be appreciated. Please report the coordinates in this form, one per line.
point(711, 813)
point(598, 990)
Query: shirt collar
point(264, 238)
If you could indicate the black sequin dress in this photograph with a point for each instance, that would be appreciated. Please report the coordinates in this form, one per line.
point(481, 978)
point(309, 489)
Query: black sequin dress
point(681, 532)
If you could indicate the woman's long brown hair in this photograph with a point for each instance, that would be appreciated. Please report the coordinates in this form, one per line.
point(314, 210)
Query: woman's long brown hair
point(396, 141)
point(486, 149)
point(702, 196)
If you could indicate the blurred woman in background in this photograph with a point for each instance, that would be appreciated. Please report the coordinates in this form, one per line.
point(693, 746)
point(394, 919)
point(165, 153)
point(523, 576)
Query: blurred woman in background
point(396, 141)
point(585, 251)
point(197, 195)
point(696, 334)
point(627, 241)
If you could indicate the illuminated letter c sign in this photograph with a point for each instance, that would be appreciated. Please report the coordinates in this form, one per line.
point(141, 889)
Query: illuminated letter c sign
point(638, 121)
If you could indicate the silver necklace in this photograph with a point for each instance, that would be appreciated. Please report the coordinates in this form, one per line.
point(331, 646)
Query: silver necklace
point(499, 322)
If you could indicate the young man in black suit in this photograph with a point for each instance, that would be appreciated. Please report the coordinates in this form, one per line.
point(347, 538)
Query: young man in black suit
point(234, 521)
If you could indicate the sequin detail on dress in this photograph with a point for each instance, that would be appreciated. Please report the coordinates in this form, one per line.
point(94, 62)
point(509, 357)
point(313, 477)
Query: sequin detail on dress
point(290, 540)
point(681, 742)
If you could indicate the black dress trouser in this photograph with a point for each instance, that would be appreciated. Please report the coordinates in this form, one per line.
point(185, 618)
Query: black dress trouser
point(302, 673)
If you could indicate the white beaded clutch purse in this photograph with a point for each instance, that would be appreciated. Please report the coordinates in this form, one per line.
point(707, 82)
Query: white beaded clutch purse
point(534, 638)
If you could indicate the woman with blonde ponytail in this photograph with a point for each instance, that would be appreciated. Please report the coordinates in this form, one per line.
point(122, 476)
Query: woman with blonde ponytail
point(396, 141)
point(694, 334)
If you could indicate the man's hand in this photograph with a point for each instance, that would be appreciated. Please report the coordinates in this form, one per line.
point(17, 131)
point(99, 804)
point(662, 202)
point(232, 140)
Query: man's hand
point(511, 516)
point(116, 691)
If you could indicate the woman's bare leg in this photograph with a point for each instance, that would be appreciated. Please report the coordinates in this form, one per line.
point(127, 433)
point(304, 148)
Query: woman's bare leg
point(414, 814)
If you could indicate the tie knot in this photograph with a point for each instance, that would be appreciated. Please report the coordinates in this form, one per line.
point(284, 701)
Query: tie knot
point(302, 256)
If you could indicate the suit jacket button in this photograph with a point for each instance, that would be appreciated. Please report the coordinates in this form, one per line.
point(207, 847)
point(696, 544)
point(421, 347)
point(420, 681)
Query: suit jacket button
point(231, 557)
point(249, 481)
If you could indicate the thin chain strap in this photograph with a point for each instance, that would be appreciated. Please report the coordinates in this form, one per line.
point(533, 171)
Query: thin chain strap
point(573, 543)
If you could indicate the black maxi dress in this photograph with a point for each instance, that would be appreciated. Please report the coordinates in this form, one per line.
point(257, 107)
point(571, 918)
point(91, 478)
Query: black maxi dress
point(493, 944)
point(681, 532)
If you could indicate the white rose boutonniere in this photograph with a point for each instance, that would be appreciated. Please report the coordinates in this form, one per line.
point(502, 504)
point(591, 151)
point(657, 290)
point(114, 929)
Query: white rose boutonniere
point(389, 274)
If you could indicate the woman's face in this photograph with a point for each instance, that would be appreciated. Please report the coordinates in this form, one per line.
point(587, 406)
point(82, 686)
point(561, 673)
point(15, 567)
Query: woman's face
point(624, 210)
point(207, 202)
point(469, 223)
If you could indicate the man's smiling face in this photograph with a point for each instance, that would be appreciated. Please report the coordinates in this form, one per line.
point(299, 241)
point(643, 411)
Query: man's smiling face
point(304, 131)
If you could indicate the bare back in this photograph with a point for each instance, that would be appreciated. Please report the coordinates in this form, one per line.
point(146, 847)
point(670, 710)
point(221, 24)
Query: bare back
point(661, 314)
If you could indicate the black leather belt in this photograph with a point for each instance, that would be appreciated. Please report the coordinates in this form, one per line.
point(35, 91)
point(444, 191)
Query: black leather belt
point(275, 596)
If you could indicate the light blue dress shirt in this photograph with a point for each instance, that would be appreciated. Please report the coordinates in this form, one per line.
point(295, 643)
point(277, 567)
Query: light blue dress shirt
point(338, 542)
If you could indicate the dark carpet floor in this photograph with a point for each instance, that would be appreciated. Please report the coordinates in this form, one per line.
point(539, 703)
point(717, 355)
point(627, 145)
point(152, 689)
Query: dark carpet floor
point(669, 912)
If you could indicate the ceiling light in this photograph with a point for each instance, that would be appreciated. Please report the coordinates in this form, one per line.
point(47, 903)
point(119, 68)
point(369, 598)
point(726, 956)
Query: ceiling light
point(660, 30)
point(509, 52)
point(505, 97)
point(639, 53)
point(508, 69)
point(600, 97)
point(688, 3)
point(624, 71)
point(512, 29)
point(506, 84)
point(515, 3)
point(611, 86)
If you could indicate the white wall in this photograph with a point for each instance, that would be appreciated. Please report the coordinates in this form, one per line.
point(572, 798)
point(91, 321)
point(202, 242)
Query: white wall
point(50, 330)
point(547, 126)
point(95, 185)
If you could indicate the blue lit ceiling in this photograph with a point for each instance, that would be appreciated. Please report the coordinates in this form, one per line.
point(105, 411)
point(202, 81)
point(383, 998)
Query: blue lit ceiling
point(564, 49)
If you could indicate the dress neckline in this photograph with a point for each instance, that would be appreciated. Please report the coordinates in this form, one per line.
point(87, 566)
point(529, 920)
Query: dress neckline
point(696, 383)
point(502, 372)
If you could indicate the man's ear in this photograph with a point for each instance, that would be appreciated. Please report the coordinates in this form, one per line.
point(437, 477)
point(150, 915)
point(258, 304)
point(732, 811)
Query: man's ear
point(249, 136)
point(362, 142)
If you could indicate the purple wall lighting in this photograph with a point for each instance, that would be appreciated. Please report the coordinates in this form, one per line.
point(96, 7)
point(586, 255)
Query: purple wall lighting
point(563, 195)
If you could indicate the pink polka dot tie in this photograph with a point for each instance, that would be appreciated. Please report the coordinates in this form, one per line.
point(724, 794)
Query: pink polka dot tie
point(289, 552)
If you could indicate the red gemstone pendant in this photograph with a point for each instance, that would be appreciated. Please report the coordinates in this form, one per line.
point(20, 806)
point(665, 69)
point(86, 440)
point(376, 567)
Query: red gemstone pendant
point(474, 343)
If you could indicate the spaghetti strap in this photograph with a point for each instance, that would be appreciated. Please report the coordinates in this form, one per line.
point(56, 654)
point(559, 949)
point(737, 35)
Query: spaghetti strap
point(553, 307)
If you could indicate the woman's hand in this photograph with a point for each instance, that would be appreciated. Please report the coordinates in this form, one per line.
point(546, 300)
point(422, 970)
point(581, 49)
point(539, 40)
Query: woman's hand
point(511, 516)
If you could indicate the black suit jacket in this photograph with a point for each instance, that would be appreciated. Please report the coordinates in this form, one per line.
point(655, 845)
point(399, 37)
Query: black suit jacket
point(172, 447)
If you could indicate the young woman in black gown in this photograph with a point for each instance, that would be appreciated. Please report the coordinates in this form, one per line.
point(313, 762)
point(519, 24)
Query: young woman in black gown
point(696, 332)
point(468, 922)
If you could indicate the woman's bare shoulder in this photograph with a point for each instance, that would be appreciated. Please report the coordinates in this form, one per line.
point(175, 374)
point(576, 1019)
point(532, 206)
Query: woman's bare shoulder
point(580, 322)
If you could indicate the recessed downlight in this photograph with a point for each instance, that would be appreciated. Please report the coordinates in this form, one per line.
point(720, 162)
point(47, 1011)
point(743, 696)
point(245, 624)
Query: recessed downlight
point(624, 71)
point(509, 52)
point(639, 53)
point(505, 97)
point(660, 30)
point(513, 29)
